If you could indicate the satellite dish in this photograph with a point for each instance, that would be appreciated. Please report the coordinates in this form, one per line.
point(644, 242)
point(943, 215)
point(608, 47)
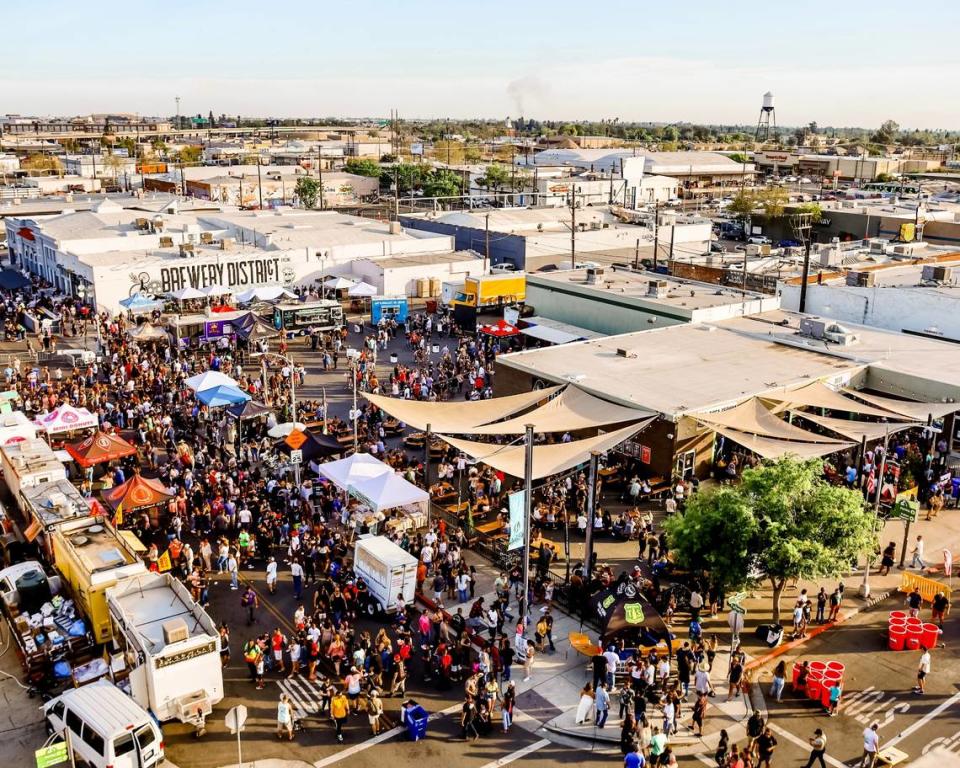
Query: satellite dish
point(95, 529)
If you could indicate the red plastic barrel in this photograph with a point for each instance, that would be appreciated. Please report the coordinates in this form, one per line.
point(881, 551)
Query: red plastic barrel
point(898, 636)
point(914, 621)
point(818, 666)
point(913, 637)
point(797, 668)
point(835, 668)
point(897, 623)
point(825, 697)
point(814, 685)
point(898, 615)
point(929, 635)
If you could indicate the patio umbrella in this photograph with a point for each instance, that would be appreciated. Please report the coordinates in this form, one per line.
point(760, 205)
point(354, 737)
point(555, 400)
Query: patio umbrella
point(315, 447)
point(140, 301)
point(622, 608)
point(137, 493)
point(500, 329)
point(338, 283)
point(282, 430)
point(362, 289)
point(249, 409)
point(210, 379)
point(217, 397)
point(252, 328)
point(185, 294)
point(99, 448)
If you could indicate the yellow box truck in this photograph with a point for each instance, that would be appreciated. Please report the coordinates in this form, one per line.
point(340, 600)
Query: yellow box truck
point(492, 291)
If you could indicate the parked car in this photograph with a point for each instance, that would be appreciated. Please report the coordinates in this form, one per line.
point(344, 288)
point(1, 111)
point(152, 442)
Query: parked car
point(717, 248)
point(759, 240)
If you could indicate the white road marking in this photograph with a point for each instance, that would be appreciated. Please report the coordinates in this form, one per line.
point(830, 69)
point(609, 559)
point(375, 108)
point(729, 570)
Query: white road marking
point(923, 720)
point(374, 740)
point(507, 759)
point(705, 760)
point(804, 745)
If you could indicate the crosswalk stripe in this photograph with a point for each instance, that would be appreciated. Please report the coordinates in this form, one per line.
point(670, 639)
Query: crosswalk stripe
point(507, 759)
point(301, 706)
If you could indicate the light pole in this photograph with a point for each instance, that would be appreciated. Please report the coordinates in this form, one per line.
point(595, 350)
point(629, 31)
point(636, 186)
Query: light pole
point(865, 584)
point(354, 355)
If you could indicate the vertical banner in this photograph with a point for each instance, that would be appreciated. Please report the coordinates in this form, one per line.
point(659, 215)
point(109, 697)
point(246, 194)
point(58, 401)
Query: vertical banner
point(947, 559)
point(517, 523)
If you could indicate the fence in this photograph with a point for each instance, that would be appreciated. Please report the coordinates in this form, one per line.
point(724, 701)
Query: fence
point(927, 588)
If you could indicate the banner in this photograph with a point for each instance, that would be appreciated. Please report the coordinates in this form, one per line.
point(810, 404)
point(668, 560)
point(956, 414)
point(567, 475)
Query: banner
point(517, 522)
point(948, 562)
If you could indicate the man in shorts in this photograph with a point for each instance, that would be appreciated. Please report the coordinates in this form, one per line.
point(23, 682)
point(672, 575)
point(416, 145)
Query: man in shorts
point(923, 669)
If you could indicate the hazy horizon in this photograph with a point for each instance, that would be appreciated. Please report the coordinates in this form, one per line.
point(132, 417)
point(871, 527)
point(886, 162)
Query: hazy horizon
point(838, 66)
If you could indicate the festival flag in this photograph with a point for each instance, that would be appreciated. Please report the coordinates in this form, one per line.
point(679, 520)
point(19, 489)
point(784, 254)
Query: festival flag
point(163, 562)
point(325, 410)
point(118, 515)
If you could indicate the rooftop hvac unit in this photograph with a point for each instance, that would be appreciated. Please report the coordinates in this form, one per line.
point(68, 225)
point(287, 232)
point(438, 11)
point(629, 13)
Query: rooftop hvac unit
point(830, 256)
point(143, 223)
point(861, 279)
point(813, 327)
point(878, 245)
point(206, 237)
point(934, 273)
point(158, 223)
point(594, 275)
point(186, 250)
point(837, 334)
point(166, 242)
point(175, 631)
point(657, 288)
point(596, 225)
point(227, 243)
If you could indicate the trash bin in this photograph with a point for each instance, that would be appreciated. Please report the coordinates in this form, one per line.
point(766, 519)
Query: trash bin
point(417, 723)
point(431, 306)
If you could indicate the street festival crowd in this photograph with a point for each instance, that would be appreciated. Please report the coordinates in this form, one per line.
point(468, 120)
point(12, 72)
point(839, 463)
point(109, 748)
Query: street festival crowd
point(234, 508)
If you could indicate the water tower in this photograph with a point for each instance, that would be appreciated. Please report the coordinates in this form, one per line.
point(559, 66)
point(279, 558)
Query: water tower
point(768, 115)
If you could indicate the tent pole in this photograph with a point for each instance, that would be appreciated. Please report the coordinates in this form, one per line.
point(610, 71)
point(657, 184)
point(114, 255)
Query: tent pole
point(591, 513)
point(426, 470)
point(527, 509)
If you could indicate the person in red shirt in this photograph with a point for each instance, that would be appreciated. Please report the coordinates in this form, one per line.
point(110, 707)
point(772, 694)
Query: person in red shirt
point(278, 642)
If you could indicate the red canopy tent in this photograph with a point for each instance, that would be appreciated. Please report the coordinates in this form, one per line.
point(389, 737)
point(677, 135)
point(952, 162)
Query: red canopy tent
point(137, 493)
point(500, 329)
point(100, 447)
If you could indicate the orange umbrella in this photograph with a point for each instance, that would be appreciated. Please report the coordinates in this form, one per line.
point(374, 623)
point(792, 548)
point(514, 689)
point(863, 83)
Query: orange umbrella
point(100, 447)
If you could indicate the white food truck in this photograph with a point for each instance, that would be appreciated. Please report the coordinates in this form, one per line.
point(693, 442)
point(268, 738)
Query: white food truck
point(388, 571)
point(170, 646)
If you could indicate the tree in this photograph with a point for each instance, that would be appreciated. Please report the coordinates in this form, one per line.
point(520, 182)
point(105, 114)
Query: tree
point(443, 183)
point(814, 209)
point(189, 154)
point(495, 178)
point(784, 521)
point(887, 134)
point(362, 166)
point(113, 164)
point(448, 151)
point(743, 204)
point(406, 176)
point(773, 200)
point(307, 191)
point(40, 162)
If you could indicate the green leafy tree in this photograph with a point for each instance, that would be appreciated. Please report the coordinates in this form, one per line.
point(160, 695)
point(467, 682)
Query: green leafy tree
point(362, 166)
point(887, 134)
point(773, 201)
point(743, 204)
point(407, 176)
point(814, 209)
point(443, 183)
point(189, 154)
point(40, 163)
point(307, 191)
point(495, 178)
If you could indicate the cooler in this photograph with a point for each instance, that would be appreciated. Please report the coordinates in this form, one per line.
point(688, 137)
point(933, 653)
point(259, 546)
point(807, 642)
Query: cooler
point(797, 669)
point(835, 669)
point(913, 637)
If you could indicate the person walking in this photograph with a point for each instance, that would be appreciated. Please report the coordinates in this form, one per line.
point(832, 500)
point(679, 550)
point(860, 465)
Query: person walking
point(779, 680)
point(284, 717)
point(296, 571)
point(766, 744)
point(509, 701)
point(339, 709)
point(699, 713)
point(374, 711)
point(233, 568)
point(871, 746)
point(272, 576)
point(528, 661)
point(917, 552)
point(602, 704)
point(834, 692)
point(923, 669)
point(818, 748)
point(754, 730)
point(940, 608)
point(734, 677)
point(250, 602)
point(669, 715)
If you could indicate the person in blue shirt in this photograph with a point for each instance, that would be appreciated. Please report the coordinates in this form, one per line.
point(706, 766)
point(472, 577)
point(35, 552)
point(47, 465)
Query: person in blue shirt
point(602, 704)
point(633, 758)
point(851, 475)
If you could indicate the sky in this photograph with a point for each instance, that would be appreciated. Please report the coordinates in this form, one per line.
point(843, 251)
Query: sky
point(836, 63)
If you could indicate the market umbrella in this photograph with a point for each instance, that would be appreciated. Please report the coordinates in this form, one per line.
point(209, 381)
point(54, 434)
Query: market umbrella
point(100, 447)
point(500, 329)
point(622, 608)
point(284, 429)
point(252, 328)
point(250, 409)
point(313, 447)
point(149, 332)
point(217, 397)
point(185, 294)
point(209, 380)
point(140, 301)
point(66, 418)
point(338, 283)
point(362, 289)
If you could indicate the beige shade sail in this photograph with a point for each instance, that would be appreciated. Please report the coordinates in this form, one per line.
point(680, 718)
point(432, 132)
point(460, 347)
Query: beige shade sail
point(908, 408)
point(857, 430)
point(547, 459)
point(571, 410)
point(753, 417)
point(819, 395)
point(770, 448)
point(461, 416)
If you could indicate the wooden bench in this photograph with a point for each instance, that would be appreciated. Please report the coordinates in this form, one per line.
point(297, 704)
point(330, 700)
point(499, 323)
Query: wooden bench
point(891, 756)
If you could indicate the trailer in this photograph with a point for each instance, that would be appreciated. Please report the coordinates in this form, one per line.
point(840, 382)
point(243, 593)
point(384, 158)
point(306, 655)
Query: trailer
point(389, 308)
point(389, 572)
point(170, 648)
point(492, 291)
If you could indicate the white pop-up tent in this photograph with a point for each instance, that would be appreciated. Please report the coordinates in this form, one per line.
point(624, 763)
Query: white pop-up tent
point(374, 483)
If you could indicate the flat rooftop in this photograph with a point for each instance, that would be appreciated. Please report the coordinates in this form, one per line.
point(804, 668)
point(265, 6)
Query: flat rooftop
point(99, 548)
point(56, 502)
point(427, 259)
point(525, 221)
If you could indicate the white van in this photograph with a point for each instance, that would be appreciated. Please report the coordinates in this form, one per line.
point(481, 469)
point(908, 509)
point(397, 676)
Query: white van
point(107, 727)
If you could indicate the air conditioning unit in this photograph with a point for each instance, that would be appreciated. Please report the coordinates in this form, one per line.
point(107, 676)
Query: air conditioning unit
point(206, 237)
point(813, 327)
point(175, 631)
point(878, 245)
point(594, 275)
point(837, 334)
point(657, 288)
point(933, 273)
point(227, 244)
point(861, 279)
point(166, 242)
point(186, 250)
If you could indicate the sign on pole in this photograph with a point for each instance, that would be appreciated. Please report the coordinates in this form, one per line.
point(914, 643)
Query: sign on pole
point(517, 522)
point(296, 457)
point(236, 718)
point(52, 755)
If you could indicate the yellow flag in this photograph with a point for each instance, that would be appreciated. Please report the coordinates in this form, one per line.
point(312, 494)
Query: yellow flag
point(163, 562)
point(118, 515)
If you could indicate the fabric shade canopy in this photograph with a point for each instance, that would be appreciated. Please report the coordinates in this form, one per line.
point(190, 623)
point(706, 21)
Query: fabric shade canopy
point(908, 408)
point(265, 293)
point(571, 410)
point(216, 290)
point(500, 329)
point(362, 289)
point(772, 448)
point(621, 608)
point(66, 418)
point(11, 279)
point(138, 492)
point(547, 459)
point(249, 409)
point(216, 397)
point(857, 430)
point(140, 301)
point(209, 380)
point(99, 448)
point(315, 447)
point(149, 332)
point(819, 395)
point(753, 417)
point(387, 491)
point(353, 470)
point(338, 283)
point(252, 328)
point(284, 429)
point(457, 417)
point(187, 293)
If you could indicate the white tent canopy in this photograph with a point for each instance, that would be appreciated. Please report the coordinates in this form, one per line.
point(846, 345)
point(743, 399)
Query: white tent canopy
point(209, 380)
point(282, 430)
point(66, 418)
point(353, 470)
point(362, 289)
point(457, 417)
point(185, 294)
point(338, 283)
point(265, 293)
point(388, 491)
point(217, 290)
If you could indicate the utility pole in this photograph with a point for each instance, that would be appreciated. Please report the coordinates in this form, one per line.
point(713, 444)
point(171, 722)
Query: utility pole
point(177, 99)
point(486, 250)
point(656, 232)
point(259, 183)
point(636, 255)
point(573, 227)
point(673, 232)
point(527, 507)
point(806, 273)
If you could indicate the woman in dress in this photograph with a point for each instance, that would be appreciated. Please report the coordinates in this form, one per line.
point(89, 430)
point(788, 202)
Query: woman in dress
point(586, 704)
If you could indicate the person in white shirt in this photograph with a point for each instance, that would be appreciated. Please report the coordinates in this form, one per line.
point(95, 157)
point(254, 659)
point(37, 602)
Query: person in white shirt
point(612, 660)
point(871, 745)
point(272, 576)
point(923, 669)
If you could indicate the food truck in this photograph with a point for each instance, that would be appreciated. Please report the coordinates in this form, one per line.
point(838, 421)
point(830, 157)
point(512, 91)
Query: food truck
point(389, 308)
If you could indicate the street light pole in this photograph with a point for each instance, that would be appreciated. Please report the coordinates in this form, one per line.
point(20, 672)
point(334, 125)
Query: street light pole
point(865, 584)
point(527, 508)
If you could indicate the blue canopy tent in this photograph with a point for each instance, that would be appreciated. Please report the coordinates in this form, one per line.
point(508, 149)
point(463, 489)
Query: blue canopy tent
point(216, 397)
point(140, 302)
